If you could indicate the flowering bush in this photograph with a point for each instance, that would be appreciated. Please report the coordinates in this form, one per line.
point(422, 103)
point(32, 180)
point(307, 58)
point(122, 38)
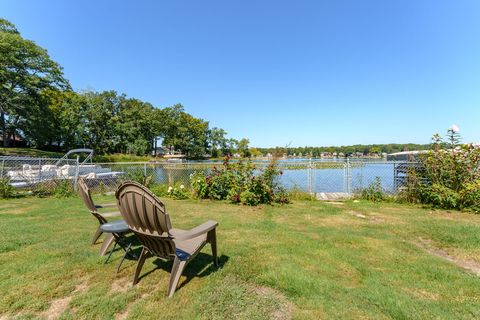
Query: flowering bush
point(239, 183)
point(178, 193)
point(450, 177)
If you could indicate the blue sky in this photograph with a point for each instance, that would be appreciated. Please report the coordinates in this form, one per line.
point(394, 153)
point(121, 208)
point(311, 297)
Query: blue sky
point(278, 72)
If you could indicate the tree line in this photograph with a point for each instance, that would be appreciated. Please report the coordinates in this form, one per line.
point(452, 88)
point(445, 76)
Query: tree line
point(38, 105)
point(368, 149)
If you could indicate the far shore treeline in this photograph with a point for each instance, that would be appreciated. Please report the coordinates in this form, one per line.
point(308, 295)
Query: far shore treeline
point(39, 109)
point(339, 151)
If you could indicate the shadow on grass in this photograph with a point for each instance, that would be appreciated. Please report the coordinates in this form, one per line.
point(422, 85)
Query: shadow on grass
point(200, 266)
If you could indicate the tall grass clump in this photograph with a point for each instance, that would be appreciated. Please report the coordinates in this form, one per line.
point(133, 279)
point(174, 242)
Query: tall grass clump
point(374, 192)
point(6, 189)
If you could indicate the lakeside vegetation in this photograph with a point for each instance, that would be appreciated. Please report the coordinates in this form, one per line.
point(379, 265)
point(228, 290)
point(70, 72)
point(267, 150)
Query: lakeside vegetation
point(36, 153)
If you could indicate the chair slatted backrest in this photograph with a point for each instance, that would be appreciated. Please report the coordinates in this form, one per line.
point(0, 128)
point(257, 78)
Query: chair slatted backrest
point(146, 216)
point(84, 193)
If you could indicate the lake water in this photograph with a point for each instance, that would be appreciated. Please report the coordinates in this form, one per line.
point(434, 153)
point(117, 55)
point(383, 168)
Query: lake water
point(332, 177)
point(337, 179)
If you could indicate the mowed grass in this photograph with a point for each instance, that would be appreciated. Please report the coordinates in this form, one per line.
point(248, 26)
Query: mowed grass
point(307, 260)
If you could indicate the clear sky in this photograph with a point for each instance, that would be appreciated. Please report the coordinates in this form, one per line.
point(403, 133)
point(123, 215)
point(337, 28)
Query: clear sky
point(297, 72)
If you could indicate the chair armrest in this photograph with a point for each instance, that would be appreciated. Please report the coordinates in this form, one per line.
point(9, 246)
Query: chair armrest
point(110, 214)
point(106, 205)
point(197, 231)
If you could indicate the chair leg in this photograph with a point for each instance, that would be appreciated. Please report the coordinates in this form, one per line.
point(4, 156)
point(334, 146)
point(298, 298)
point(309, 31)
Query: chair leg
point(212, 239)
point(140, 263)
point(97, 235)
point(107, 242)
point(111, 252)
point(177, 271)
point(127, 252)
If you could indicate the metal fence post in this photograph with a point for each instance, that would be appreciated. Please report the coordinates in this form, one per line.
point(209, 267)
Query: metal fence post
point(310, 176)
point(77, 169)
point(349, 177)
point(39, 170)
point(3, 166)
point(145, 169)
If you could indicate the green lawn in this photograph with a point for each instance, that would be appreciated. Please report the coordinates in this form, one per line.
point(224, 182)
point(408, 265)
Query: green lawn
point(30, 152)
point(307, 260)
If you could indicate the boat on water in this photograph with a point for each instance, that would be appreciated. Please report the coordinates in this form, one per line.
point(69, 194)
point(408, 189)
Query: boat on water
point(32, 171)
point(175, 158)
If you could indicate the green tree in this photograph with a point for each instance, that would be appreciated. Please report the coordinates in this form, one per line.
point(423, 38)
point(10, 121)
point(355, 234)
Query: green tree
point(217, 141)
point(101, 118)
point(136, 127)
point(25, 71)
point(242, 147)
point(66, 123)
point(184, 132)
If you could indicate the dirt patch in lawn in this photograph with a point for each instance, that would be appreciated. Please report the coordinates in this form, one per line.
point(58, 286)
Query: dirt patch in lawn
point(58, 306)
point(427, 245)
point(284, 312)
point(120, 285)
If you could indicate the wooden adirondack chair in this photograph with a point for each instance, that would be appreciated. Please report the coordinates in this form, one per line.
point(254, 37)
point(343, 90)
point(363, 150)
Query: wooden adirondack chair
point(84, 193)
point(146, 216)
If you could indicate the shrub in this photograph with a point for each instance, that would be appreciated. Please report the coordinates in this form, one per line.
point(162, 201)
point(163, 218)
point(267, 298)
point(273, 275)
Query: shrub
point(439, 196)
point(178, 193)
point(6, 189)
point(374, 192)
point(199, 184)
point(470, 196)
point(63, 189)
point(140, 177)
point(240, 183)
point(449, 177)
point(160, 190)
point(58, 188)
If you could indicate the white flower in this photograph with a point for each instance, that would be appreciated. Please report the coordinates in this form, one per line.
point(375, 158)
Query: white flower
point(182, 186)
point(198, 180)
point(455, 128)
point(169, 189)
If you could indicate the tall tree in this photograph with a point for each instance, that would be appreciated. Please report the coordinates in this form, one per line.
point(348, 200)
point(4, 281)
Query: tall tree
point(217, 141)
point(137, 126)
point(25, 71)
point(243, 147)
point(101, 119)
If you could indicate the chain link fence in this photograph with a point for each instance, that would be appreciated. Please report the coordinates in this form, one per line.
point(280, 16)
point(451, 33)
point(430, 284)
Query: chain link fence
point(29, 172)
point(312, 176)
